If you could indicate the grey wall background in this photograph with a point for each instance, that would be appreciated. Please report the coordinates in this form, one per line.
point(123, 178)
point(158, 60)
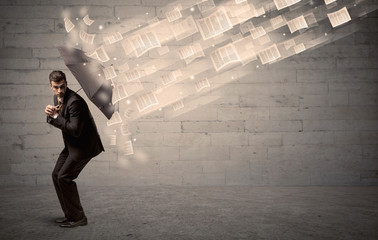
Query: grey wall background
point(311, 119)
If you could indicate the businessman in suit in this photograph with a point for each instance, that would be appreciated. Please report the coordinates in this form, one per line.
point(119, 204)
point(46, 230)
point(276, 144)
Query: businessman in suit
point(82, 142)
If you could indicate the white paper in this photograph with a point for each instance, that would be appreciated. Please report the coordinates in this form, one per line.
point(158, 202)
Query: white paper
point(339, 17)
point(297, 24)
point(278, 22)
point(99, 54)
point(68, 24)
point(215, 24)
point(109, 72)
point(224, 56)
point(269, 54)
point(184, 29)
point(174, 14)
point(113, 38)
point(86, 37)
point(132, 75)
point(170, 77)
point(257, 32)
point(144, 42)
point(87, 20)
point(201, 84)
point(299, 48)
point(112, 140)
point(178, 105)
point(146, 100)
point(191, 52)
point(128, 148)
point(119, 93)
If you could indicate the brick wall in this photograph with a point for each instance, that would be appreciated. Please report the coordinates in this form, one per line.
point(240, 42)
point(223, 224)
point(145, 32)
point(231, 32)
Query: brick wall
point(309, 119)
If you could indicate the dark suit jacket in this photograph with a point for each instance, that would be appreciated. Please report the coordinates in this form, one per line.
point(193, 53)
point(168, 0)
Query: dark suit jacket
point(79, 131)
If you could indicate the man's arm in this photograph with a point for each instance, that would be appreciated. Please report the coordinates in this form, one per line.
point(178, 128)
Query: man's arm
point(76, 122)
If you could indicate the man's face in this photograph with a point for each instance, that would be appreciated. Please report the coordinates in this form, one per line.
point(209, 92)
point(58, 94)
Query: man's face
point(59, 88)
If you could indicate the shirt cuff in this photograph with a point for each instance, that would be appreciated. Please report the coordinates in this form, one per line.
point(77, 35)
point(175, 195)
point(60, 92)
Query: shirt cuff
point(55, 115)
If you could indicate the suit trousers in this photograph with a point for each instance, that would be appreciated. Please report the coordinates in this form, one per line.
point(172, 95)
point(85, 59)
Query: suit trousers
point(66, 170)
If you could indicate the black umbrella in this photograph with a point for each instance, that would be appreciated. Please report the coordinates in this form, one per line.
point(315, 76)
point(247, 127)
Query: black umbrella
point(89, 73)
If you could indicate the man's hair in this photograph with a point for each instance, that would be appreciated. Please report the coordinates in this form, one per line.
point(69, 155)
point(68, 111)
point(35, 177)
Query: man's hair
point(57, 76)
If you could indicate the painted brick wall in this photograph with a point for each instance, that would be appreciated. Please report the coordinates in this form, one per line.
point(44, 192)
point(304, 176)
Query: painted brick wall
point(311, 119)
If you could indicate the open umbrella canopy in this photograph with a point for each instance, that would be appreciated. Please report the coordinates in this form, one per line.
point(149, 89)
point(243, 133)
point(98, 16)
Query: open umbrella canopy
point(89, 73)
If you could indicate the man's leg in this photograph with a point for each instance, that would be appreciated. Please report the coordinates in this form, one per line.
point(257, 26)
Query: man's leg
point(70, 195)
point(59, 164)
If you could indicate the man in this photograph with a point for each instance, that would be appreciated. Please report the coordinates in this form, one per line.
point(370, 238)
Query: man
point(82, 142)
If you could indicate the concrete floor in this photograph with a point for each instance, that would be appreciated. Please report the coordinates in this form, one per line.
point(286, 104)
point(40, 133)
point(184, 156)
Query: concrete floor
point(168, 212)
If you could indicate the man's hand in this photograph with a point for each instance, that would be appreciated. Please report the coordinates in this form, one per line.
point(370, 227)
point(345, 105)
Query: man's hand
point(51, 110)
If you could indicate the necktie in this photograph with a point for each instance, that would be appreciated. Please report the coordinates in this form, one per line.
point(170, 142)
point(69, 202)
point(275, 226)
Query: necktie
point(60, 103)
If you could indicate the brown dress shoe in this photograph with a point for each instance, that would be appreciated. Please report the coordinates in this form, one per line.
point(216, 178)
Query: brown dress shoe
point(69, 224)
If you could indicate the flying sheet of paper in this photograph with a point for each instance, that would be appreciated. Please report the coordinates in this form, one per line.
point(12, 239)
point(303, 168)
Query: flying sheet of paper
point(128, 148)
point(170, 77)
point(119, 93)
point(144, 42)
point(201, 84)
point(178, 105)
point(299, 48)
point(68, 24)
point(269, 54)
point(87, 20)
point(224, 56)
point(339, 17)
point(132, 75)
point(257, 32)
point(86, 37)
point(278, 22)
point(146, 100)
point(191, 52)
point(174, 14)
point(109, 72)
point(215, 24)
point(184, 29)
point(297, 24)
point(280, 4)
point(113, 38)
point(99, 54)
point(112, 140)
point(115, 119)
